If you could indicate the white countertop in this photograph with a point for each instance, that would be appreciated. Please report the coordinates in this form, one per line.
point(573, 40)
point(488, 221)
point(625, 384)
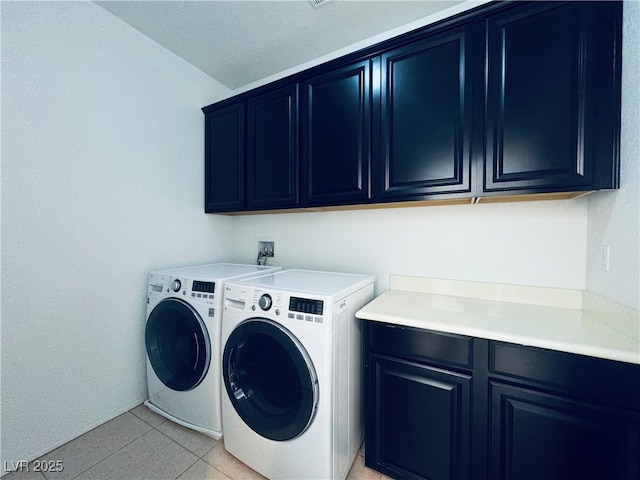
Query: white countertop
point(558, 319)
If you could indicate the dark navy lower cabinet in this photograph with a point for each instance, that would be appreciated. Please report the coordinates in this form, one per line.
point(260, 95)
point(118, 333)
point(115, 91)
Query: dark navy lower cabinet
point(540, 435)
point(419, 403)
point(561, 416)
point(440, 406)
point(434, 444)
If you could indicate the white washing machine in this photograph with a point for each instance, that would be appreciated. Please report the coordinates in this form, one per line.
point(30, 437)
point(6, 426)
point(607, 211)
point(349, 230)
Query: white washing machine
point(291, 368)
point(182, 336)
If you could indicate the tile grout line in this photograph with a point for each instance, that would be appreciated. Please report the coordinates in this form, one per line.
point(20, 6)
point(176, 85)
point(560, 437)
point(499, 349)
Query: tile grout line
point(154, 427)
point(111, 454)
point(182, 446)
point(199, 457)
point(216, 468)
point(102, 459)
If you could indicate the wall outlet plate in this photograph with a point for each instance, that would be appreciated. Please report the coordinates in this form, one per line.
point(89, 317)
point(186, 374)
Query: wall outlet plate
point(266, 249)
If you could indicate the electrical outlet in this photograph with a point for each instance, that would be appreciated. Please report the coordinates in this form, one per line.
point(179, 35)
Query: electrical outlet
point(266, 249)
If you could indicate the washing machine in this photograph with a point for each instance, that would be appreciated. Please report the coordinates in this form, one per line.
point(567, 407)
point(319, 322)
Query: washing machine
point(182, 336)
point(291, 368)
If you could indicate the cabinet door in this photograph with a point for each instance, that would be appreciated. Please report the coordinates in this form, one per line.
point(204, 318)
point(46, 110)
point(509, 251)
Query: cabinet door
point(224, 159)
point(426, 107)
point(553, 107)
point(417, 423)
point(540, 436)
point(272, 149)
point(337, 136)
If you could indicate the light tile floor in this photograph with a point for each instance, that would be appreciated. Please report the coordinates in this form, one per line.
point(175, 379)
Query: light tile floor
point(141, 444)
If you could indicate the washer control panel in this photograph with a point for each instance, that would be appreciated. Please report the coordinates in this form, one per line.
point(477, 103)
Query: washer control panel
point(203, 290)
point(170, 285)
point(204, 287)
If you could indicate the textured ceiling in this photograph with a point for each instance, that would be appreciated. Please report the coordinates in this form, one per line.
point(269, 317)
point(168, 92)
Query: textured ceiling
point(238, 42)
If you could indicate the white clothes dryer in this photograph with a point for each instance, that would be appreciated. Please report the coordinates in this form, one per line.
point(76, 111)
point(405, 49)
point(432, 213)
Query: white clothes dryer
point(182, 337)
point(291, 368)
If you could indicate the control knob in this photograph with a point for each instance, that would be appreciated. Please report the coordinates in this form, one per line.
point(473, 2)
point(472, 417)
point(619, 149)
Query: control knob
point(265, 302)
point(175, 285)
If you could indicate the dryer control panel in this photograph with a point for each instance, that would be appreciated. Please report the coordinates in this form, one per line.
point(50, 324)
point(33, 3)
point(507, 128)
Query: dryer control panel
point(307, 309)
point(280, 306)
point(306, 305)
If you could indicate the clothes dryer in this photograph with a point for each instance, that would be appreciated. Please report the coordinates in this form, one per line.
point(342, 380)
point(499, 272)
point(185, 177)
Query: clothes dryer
point(291, 369)
point(182, 337)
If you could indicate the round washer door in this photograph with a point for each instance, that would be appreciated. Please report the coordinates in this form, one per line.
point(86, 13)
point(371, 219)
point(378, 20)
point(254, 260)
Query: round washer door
point(270, 379)
point(178, 344)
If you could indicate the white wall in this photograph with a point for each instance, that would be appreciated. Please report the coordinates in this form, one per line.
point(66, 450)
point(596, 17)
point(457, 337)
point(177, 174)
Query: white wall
point(614, 217)
point(537, 243)
point(102, 168)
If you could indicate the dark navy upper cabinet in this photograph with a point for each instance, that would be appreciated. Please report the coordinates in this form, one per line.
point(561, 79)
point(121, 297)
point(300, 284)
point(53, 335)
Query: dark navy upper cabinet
point(337, 136)
point(507, 99)
point(224, 159)
point(426, 117)
point(272, 149)
point(553, 106)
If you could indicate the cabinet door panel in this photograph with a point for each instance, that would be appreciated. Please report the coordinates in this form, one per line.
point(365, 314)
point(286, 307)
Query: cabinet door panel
point(426, 117)
point(224, 159)
point(536, 435)
point(551, 71)
point(272, 149)
point(337, 136)
point(568, 372)
point(418, 422)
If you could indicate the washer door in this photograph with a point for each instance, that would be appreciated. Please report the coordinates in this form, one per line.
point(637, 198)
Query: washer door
point(178, 344)
point(270, 379)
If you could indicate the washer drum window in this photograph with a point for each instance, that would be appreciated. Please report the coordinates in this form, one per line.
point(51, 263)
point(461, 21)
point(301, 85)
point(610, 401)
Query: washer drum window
point(178, 345)
point(270, 379)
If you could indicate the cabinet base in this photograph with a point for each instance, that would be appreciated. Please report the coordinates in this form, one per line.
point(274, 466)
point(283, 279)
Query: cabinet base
point(533, 197)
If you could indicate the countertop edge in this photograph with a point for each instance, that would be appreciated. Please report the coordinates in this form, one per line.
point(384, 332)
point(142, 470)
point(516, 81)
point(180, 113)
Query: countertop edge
point(603, 353)
point(374, 312)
